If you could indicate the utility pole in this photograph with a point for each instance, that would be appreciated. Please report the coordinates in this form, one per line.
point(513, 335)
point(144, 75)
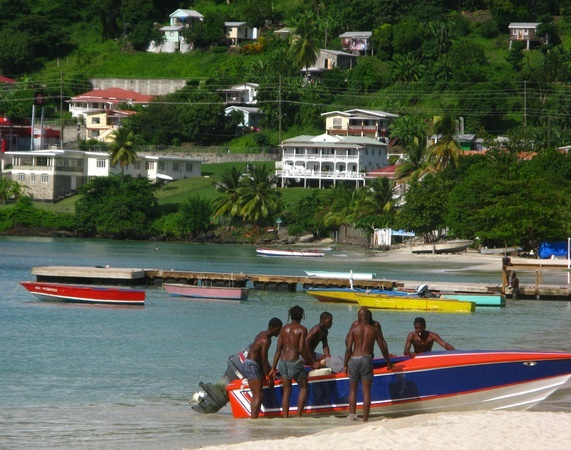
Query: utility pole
point(280, 111)
point(524, 104)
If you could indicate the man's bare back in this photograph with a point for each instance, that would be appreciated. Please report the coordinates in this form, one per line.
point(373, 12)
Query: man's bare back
point(292, 339)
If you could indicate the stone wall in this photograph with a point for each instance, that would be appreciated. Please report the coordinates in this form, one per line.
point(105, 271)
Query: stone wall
point(145, 86)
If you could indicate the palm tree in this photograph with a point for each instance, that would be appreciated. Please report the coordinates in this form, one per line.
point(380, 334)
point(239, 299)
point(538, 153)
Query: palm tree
point(121, 149)
point(446, 150)
point(227, 204)
point(411, 133)
point(259, 200)
point(304, 49)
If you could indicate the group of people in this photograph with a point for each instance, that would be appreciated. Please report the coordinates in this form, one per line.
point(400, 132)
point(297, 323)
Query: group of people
point(296, 348)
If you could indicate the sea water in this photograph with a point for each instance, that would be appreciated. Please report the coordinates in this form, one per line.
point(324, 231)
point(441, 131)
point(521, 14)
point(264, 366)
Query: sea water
point(84, 376)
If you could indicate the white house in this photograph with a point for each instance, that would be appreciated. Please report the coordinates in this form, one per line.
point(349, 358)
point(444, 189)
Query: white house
point(252, 116)
point(526, 32)
point(173, 34)
point(326, 159)
point(240, 94)
point(238, 32)
point(357, 42)
point(50, 175)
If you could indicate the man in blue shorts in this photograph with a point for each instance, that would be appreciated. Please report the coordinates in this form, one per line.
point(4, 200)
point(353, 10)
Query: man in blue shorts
point(358, 361)
point(256, 367)
point(289, 357)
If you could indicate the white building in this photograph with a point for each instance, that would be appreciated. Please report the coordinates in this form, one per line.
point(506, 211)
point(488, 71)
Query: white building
point(317, 161)
point(51, 175)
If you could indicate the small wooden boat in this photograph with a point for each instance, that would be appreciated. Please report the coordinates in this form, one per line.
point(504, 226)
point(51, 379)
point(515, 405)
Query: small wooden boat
point(381, 301)
point(206, 292)
point(341, 275)
point(73, 293)
point(455, 246)
point(276, 252)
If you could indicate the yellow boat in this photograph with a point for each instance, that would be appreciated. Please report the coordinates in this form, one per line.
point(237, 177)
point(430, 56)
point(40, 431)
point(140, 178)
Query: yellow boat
point(376, 301)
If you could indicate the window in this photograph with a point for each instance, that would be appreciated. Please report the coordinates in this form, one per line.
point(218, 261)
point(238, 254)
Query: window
point(150, 165)
point(95, 120)
point(101, 163)
point(337, 122)
point(175, 167)
point(189, 167)
point(161, 165)
point(44, 177)
point(21, 177)
point(137, 165)
point(33, 177)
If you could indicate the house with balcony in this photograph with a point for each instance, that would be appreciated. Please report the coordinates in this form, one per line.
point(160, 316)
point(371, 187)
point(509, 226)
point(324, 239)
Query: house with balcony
point(51, 175)
point(327, 60)
point(526, 32)
point(359, 122)
point(173, 34)
point(325, 160)
point(238, 32)
point(357, 42)
point(103, 109)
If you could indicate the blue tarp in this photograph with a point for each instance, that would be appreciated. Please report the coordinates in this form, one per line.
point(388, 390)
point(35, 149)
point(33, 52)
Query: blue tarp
point(548, 249)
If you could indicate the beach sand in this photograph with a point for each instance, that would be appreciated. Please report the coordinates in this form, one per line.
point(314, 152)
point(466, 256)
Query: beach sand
point(469, 430)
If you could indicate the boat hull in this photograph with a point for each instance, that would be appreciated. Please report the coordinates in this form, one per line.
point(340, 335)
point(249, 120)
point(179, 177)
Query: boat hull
point(431, 382)
point(71, 293)
point(375, 301)
point(289, 253)
point(206, 292)
point(479, 300)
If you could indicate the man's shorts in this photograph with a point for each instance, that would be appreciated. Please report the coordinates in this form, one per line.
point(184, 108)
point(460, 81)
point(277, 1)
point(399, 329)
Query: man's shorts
point(251, 370)
point(360, 368)
point(292, 370)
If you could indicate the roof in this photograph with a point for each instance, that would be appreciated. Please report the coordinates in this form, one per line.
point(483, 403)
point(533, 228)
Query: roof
point(170, 28)
point(248, 109)
point(363, 113)
point(183, 13)
point(234, 24)
point(387, 172)
point(523, 25)
point(338, 52)
point(356, 34)
point(334, 141)
point(6, 80)
point(114, 95)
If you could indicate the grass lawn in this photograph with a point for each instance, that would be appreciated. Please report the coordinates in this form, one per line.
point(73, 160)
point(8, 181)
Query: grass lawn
point(172, 194)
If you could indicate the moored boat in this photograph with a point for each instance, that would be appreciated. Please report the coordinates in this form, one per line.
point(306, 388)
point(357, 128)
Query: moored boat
point(206, 292)
point(73, 293)
point(430, 382)
point(382, 301)
point(350, 275)
point(277, 252)
point(495, 300)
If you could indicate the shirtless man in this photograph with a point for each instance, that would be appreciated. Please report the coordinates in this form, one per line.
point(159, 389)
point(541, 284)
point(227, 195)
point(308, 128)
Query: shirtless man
point(256, 367)
point(358, 363)
point(318, 334)
point(289, 357)
point(422, 340)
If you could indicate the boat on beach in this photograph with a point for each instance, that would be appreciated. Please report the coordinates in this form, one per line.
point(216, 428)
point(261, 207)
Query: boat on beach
point(73, 293)
point(206, 292)
point(454, 246)
point(438, 381)
point(313, 253)
point(341, 275)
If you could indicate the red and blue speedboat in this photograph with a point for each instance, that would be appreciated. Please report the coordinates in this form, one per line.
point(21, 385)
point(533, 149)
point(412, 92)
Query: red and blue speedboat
point(431, 382)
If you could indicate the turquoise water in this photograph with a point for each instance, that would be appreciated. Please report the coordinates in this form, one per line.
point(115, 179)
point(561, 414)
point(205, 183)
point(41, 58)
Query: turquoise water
point(74, 376)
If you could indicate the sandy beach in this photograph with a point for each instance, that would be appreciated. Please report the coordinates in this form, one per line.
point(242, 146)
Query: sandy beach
point(471, 430)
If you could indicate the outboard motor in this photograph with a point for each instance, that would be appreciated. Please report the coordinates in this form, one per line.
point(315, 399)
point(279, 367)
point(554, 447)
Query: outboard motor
point(422, 290)
point(214, 397)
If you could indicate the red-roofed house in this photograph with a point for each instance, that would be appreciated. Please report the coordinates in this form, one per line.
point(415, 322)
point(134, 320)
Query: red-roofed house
point(102, 109)
point(6, 80)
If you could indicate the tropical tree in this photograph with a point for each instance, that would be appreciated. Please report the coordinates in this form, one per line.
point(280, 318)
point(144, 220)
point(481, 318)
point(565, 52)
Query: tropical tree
point(195, 215)
point(121, 148)
point(227, 206)
point(446, 150)
point(258, 198)
point(410, 130)
point(10, 189)
point(304, 49)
